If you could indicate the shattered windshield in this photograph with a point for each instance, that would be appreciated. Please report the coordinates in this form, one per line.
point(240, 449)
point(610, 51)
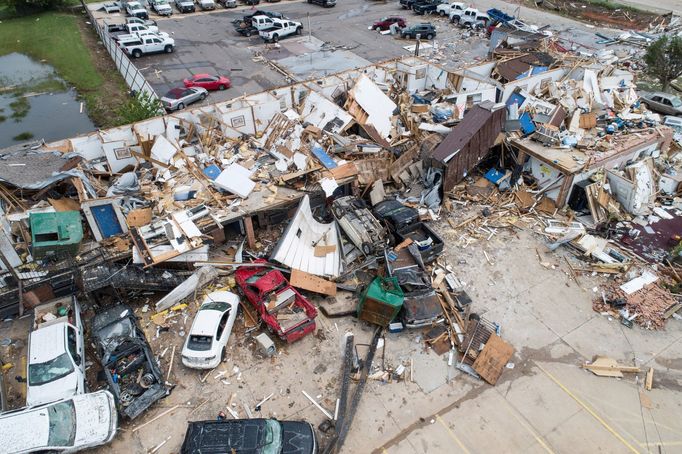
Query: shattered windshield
point(112, 334)
point(41, 373)
point(62, 424)
point(214, 306)
point(273, 437)
point(200, 343)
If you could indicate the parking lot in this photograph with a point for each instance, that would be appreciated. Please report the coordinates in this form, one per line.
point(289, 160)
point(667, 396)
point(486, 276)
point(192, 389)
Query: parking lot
point(206, 42)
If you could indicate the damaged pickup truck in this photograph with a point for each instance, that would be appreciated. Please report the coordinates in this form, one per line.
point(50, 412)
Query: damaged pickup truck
point(285, 311)
point(131, 371)
point(403, 223)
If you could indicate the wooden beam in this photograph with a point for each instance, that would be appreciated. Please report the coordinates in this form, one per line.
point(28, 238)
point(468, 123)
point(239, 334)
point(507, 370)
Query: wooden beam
point(250, 235)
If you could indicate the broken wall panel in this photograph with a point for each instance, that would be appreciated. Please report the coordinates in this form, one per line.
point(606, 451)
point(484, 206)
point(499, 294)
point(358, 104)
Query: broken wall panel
point(296, 248)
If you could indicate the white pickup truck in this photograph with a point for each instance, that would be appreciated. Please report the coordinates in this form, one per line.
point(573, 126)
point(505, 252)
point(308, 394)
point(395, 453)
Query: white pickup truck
point(148, 44)
point(279, 29)
point(56, 353)
point(136, 9)
point(135, 30)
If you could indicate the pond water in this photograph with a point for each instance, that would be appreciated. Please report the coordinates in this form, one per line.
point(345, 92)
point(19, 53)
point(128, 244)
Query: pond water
point(36, 104)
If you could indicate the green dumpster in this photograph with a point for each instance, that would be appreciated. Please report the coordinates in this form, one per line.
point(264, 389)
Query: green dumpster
point(381, 301)
point(55, 233)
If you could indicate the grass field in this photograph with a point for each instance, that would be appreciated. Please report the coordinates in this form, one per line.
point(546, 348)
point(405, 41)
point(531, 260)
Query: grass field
point(58, 40)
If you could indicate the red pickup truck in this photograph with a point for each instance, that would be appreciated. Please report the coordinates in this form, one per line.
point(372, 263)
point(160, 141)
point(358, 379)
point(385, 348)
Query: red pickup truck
point(284, 310)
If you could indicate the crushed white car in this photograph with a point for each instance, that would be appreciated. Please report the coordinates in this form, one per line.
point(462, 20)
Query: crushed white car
point(205, 344)
point(69, 425)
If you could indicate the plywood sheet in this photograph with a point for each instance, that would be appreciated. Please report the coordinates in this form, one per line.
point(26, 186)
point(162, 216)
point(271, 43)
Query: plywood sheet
point(301, 279)
point(492, 360)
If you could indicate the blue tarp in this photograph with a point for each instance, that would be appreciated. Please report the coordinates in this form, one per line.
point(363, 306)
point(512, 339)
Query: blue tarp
point(527, 125)
point(323, 157)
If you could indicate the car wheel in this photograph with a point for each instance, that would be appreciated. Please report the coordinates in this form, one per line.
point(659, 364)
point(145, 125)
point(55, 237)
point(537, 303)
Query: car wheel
point(222, 87)
point(168, 49)
point(275, 38)
point(137, 53)
point(377, 29)
point(299, 30)
point(248, 33)
point(429, 36)
point(366, 248)
point(203, 96)
point(181, 106)
point(442, 13)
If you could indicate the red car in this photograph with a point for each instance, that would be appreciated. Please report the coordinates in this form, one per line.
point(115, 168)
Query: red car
point(285, 311)
point(386, 22)
point(208, 82)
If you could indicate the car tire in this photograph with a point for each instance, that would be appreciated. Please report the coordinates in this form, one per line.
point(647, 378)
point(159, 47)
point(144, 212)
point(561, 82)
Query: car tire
point(168, 49)
point(137, 53)
point(275, 38)
point(248, 33)
point(221, 87)
point(429, 36)
point(377, 29)
point(180, 106)
point(203, 96)
point(299, 30)
point(442, 13)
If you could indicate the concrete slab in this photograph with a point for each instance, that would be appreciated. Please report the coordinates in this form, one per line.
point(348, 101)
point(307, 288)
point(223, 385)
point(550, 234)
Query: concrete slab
point(430, 370)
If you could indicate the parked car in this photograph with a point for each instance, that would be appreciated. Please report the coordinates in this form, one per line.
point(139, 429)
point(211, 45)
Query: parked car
point(205, 344)
point(253, 436)
point(161, 7)
point(673, 122)
point(424, 30)
point(130, 368)
point(136, 9)
point(206, 5)
point(178, 98)
point(444, 9)
point(358, 223)
point(185, 6)
point(281, 307)
point(385, 23)
point(664, 103)
point(68, 425)
point(280, 28)
point(56, 364)
point(142, 45)
point(324, 3)
point(228, 3)
point(407, 4)
point(254, 23)
point(479, 20)
point(137, 20)
point(457, 17)
point(427, 7)
point(111, 8)
point(208, 81)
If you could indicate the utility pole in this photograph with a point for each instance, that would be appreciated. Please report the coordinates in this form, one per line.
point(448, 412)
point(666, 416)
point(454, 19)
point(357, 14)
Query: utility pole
point(309, 30)
point(416, 47)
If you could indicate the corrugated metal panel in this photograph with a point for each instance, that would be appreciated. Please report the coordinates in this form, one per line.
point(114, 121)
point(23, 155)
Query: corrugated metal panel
point(296, 248)
point(468, 142)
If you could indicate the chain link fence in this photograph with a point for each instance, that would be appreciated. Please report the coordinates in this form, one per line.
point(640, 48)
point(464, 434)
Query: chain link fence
point(133, 77)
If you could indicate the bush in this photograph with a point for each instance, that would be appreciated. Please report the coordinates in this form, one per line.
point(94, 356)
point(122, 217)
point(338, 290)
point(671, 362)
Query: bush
point(24, 7)
point(139, 107)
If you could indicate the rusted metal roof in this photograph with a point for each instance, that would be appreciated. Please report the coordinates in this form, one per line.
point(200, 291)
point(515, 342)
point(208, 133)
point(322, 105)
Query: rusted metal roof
point(468, 142)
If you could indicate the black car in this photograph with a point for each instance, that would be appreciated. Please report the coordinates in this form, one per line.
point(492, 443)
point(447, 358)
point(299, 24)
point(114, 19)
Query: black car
point(249, 436)
point(325, 3)
point(426, 7)
point(407, 4)
point(396, 215)
point(129, 365)
point(424, 30)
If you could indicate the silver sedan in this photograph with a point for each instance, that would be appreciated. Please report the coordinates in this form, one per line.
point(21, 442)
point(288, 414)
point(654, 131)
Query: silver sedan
point(178, 98)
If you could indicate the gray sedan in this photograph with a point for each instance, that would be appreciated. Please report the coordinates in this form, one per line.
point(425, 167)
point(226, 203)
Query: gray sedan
point(664, 103)
point(178, 98)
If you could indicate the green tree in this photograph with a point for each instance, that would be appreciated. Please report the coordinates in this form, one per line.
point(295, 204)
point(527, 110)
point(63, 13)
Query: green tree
point(664, 59)
point(139, 107)
point(25, 7)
